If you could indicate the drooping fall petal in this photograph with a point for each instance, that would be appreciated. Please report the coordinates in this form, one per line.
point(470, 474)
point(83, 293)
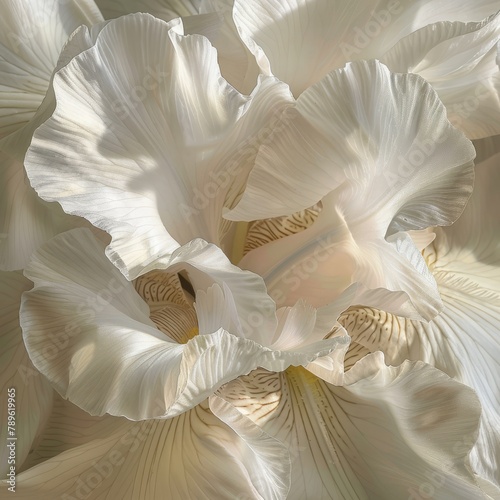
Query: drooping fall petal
point(389, 432)
point(194, 455)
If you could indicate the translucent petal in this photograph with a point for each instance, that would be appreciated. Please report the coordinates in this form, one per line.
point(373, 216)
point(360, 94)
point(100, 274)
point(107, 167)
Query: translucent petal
point(174, 143)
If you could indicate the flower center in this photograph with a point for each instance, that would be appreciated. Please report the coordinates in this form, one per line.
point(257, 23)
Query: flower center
point(171, 308)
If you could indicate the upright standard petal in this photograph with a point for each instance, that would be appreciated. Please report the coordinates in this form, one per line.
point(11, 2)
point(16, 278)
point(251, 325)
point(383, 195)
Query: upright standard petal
point(32, 34)
point(210, 18)
point(194, 455)
point(172, 135)
point(383, 162)
point(301, 41)
point(21, 385)
point(389, 432)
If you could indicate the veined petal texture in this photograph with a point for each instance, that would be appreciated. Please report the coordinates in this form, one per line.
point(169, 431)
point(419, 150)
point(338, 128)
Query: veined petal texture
point(379, 151)
point(99, 344)
point(174, 139)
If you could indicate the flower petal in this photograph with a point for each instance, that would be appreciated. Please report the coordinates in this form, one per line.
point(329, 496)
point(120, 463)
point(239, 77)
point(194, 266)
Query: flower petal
point(389, 432)
point(32, 393)
point(32, 34)
point(89, 332)
point(271, 472)
point(459, 61)
point(194, 455)
point(402, 157)
point(467, 269)
point(463, 340)
point(238, 65)
point(159, 119)
point(402, 167)
point(300, 41)
point(26, 221)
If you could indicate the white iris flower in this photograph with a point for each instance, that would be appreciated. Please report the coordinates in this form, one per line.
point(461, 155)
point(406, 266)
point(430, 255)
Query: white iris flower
point(286, 306)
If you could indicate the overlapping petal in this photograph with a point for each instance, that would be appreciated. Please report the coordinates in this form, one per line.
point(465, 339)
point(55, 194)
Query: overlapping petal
point(32, 34)
point(89, 332)
point(172, 135)
point(25, 220)
point(383, 162)
point(459, 61)
point(152, 140)
point(30, 393)
point(194, 455)
point(362, 124)
point(389, 432)
point(300, 41)
point(464, 340)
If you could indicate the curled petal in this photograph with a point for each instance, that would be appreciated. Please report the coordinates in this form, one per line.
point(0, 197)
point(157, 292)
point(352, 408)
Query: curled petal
point(89, 332)
point(380, 169)
point(173, 136)
point(363, 128)
point(459, 61)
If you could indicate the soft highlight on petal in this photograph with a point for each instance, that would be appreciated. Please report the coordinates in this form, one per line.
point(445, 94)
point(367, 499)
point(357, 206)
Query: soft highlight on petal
point(90, 333)
point(172, 135)
point(381, 435)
